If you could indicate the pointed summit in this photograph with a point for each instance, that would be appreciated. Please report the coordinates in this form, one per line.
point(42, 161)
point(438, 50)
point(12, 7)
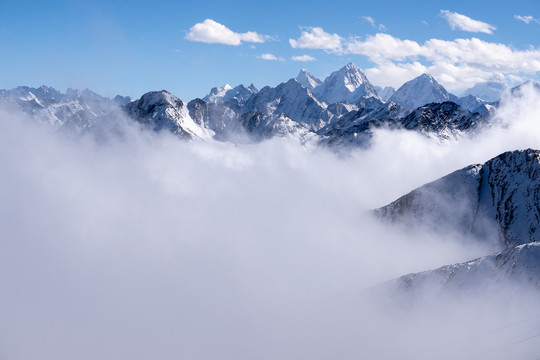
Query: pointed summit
point(420, 91)
point(226, 93)
point(349, 84)
point(307, 80)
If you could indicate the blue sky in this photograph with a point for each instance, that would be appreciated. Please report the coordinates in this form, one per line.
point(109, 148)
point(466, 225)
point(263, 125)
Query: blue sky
point(132, 47)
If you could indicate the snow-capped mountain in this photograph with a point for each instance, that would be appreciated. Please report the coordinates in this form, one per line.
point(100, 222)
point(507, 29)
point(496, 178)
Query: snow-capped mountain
point(226, 94)
point(307, 80)
point(260, 126)
point(291, 99)
point(341, 110)
point(385, 93)
point(420, 91)
point(476, 105)
point(160, 110)
point(496, 200)
point(496, 203)
point(218, 118)
point(75, 110)
point(488, 91)
point(217, 93)
point(348, 85)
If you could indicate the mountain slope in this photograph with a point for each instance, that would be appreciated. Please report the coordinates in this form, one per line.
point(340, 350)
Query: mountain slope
point(445, 120)
point(291, 99)
point(385, 93)
point(307, 80)
point(519, 265)
point(497, 200)
point(227, 94)
point(420, 91)
point(76, 110)
point(348, 85)
point(160, 110)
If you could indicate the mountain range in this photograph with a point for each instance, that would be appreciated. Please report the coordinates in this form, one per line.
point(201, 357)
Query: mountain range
point(343, 110)
point(496, 202)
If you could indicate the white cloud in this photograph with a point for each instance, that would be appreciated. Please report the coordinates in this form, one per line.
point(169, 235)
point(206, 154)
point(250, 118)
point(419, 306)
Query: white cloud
point(303, 58)
point(134, 253)
point(317, 38)
point(456, 63)
point(527, 19)
point(270, 57)
point(212, 32)
point(384, 46)
point(465, 23)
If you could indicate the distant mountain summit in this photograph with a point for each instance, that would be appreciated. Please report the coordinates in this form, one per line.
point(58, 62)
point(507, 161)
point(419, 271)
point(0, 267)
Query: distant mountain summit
point(307, 80)
point(420, 91)
point(348, 85)
point(488, 91)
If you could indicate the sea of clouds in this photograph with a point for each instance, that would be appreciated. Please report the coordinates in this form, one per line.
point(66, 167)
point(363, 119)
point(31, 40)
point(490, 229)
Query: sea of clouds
point(143, 246)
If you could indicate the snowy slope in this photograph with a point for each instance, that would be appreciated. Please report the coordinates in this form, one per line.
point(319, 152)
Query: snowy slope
point(355, 127)
point(76, 110)
point(160, 110)
point(226, 94)
point(291, 99)
point(442, 121)
point(519, 265)
point(385, 93)
point(348, 85)
point(218, 118)
point(420, 91)
point(307, 80)
point(260, 126)
point(497, 200)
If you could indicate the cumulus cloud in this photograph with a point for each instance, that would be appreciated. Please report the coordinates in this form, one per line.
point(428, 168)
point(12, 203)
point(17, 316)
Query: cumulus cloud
point(527, 19)
point(303, 58)
point(317, 38)
point(457, 63)
point(212, 32)
point(384, 46)
point(145, 246)
point(465, 23)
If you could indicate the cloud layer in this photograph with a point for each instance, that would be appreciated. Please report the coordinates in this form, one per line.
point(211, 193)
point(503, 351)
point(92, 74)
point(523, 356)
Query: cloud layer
point(317, 38)
point(212, 32)
point(457, 64)
point(143, 246)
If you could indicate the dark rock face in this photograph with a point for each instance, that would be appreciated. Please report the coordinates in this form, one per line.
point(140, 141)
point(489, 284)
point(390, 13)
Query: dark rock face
point(503, 194)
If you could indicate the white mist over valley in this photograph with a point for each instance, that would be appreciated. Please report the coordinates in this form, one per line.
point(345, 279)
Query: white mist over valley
point(242, 225)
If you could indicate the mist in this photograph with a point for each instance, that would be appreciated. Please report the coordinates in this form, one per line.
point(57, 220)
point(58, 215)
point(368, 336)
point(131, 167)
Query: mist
point(144, 246)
